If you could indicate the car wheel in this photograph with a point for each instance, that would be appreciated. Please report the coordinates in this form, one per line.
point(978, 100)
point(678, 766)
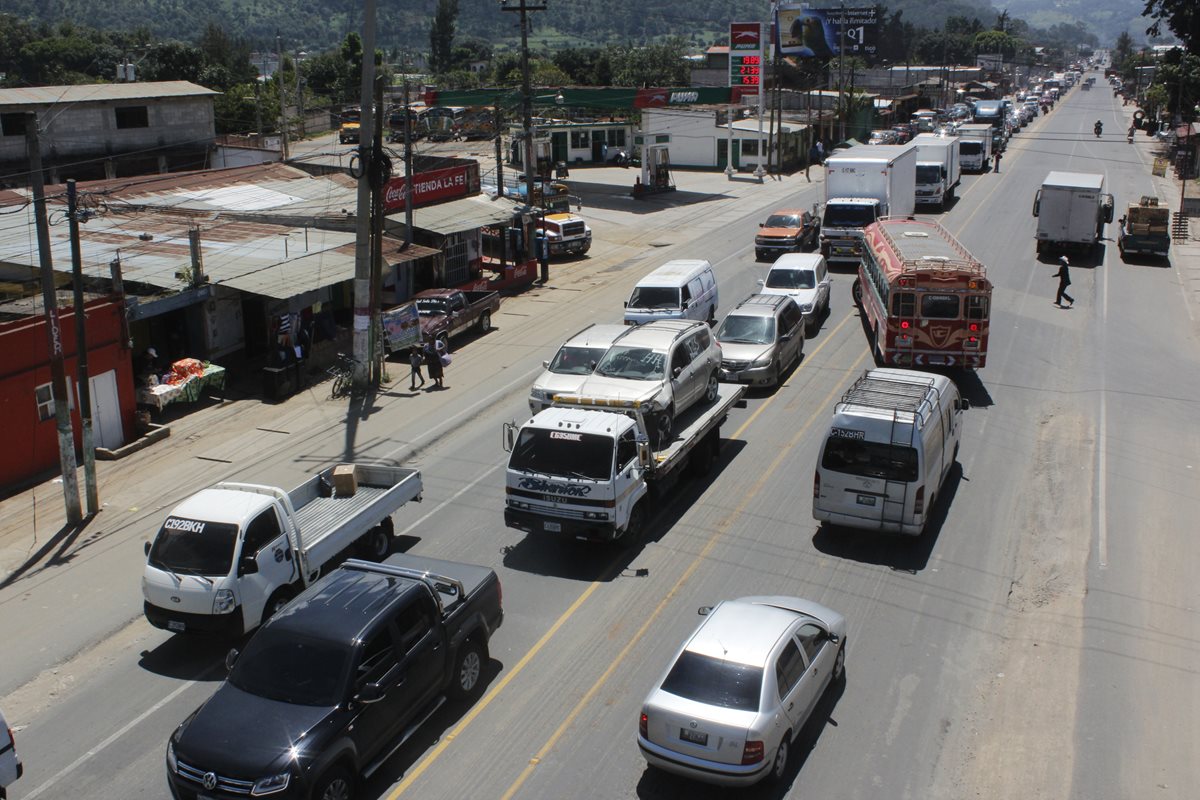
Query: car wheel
point(485, 322)
point(337, 784)
point(839, 664)
point(376, 543)
point(276, 603)
point(713, 387)
point(468, 670)
point(779, 766)
point(664, 424)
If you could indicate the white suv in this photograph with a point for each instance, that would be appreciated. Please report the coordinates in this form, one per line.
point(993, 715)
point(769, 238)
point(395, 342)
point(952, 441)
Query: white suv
point(804, 277)
point(573, 362)
point(667, 366)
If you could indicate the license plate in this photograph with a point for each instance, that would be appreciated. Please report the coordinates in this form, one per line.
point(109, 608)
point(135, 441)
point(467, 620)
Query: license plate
point(553, 527)
point(175, 625)
point(695, 737)
point(866, 500)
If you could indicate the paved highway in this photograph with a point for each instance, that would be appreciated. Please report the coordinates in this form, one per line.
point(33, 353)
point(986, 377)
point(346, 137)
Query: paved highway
point(1038, 641)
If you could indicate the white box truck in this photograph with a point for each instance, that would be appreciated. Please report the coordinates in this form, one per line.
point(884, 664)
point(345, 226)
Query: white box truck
point(891, 444)
point(1071, 210)
point(975, 146)
point(585, 467)
point(937, 168)
point(229, 557)
point(862, 184)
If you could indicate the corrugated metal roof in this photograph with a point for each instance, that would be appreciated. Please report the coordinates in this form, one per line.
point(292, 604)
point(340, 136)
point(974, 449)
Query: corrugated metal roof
point(100, 93)
point(463, 215)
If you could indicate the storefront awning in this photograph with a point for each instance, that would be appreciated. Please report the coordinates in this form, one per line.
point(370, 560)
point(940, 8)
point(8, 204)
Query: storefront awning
point(297, 276)
point(463, 215)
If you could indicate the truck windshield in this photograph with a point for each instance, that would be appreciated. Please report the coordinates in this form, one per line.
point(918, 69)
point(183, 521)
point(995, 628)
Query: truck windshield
point(431, 305)
point(654, 297)
point(856, 216)
point(563, 453)
point(291, 669)
point(783, 221)
point(870, 459)
point(929, 173)
point(194, 547)
point(576, 360)
point(738, 329)
point(636, 363)
point(781, 278)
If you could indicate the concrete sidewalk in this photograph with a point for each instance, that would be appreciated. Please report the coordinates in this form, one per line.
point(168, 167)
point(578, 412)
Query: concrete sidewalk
point(34, 534)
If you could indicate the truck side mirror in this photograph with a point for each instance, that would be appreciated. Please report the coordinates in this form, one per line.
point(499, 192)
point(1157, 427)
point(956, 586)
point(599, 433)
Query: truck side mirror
point(643, 451)
point(762, 224)
point(249, 565)
point(761, 282)
point(146, 548)
point(509, 434)
point(231, 658)
point(1037, 202)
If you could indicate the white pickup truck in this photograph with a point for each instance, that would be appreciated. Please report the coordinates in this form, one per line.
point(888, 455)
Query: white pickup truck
point(229, 557)
point(584, 467)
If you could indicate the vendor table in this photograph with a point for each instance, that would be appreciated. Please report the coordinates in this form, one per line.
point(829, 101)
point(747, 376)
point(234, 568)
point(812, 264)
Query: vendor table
point(190, 390)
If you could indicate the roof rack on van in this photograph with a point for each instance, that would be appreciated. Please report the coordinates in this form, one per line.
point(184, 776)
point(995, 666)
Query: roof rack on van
point(879, 391)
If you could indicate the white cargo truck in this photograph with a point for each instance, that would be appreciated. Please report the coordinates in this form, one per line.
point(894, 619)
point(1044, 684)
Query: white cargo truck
point(975, 146)
point(1071, 210)
point(229, 557)
point(937, 169)
point(585, 469)
point(862, 184)
point(891, 444)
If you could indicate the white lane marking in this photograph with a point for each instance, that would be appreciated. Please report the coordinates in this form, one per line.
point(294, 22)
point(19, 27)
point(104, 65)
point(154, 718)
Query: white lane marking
point(117, 735)
point(451, 498)
point(1101, 480)
point(435, 431)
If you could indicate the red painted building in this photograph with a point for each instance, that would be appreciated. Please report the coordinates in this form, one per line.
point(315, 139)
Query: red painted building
point(26, 400)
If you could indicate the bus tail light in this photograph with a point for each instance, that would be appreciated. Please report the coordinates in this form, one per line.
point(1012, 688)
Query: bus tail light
point(905, 324)
point(973, 327)
point(919, 503)
point(972, 343)
point(816, 485)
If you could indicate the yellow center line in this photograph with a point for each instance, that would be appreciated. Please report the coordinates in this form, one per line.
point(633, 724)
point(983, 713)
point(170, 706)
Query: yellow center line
point(487, 699)
point(721, 530)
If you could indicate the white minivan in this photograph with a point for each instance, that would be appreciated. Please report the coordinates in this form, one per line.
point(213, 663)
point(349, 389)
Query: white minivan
point(892, 442)
point(683, 289)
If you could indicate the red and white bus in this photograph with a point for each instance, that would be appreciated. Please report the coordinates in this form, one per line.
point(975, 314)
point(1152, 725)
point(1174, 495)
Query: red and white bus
point(925, 298)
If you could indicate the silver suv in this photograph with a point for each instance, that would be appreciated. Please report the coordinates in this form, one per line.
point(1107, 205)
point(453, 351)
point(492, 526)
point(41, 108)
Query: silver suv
point(760, 339)
point(573, 362)
point(667, 366)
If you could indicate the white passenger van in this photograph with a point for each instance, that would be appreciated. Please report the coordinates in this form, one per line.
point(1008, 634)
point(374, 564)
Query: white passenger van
point(892, 442)
point(683, 289)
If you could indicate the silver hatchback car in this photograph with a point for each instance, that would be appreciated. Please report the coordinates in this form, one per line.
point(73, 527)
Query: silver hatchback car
point(741, 689)
point(760, 339)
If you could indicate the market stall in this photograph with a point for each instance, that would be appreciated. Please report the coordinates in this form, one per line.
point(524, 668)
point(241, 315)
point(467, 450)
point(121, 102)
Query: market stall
point(186, 382)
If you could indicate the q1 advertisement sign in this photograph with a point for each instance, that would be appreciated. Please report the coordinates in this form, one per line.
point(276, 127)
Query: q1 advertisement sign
point(432, 187)
point(825, 33)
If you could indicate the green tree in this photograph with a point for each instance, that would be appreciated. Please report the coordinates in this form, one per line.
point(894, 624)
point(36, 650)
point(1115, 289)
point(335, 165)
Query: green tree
point(173, 61)
point(653, 65)
point(1181, 17)
point(1122, 49)
point(441, 36)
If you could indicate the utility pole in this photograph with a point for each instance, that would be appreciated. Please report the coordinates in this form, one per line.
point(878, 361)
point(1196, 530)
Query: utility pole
point(362, 251)
point(377, 245)
point(499, 149)
point(58, 371)
point(299, 95)
point(408, 164)
point(841, 62)
point(526, 105)
point(283, 126)
point(81, 356)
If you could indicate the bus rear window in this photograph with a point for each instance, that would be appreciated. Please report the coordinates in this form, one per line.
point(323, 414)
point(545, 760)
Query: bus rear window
point(977, 306)
point(904, 304)
point(870, 459)
point(939, 306)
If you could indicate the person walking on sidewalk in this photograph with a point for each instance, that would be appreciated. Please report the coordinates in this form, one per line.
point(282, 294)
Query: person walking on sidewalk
point(414, 362)
point(435, 361)
point(996, 160)
point(1064, 280)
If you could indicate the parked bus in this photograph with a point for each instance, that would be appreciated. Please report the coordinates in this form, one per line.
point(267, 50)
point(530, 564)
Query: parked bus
point(925, 298)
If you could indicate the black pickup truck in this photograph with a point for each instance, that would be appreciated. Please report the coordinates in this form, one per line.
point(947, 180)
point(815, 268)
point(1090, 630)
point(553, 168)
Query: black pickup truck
point(337, 680)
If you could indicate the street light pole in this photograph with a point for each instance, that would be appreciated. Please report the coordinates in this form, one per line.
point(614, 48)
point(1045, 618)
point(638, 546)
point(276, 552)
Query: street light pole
point(524, 7)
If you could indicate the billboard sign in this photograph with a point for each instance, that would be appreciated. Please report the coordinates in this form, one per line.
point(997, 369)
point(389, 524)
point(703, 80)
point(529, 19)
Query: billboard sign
point(401, 327)
point(825, 33)
point(432, 187)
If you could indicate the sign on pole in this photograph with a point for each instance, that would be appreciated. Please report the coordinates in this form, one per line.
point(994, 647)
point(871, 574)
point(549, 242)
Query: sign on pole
point(745, 54)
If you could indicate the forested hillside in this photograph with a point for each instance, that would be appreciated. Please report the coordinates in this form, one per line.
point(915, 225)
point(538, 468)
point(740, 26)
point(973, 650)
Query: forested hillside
point(317, 25)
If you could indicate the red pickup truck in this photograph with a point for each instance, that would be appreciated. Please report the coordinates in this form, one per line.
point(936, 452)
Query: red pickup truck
point(449, 312)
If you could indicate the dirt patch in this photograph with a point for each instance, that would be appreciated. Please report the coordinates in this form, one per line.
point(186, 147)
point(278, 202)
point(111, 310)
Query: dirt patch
point(1017, 736)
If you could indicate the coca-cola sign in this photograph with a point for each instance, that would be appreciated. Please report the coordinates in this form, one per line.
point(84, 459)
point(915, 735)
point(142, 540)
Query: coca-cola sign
point(430, 187)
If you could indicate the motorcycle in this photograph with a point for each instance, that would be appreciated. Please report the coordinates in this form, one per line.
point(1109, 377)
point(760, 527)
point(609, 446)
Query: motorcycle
point(1098, 130)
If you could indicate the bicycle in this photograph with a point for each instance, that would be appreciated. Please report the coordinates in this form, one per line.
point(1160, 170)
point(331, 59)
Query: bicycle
point(343, 375)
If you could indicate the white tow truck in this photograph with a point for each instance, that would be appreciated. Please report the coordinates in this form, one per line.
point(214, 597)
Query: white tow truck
point(584, 468)
point(230, 556)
